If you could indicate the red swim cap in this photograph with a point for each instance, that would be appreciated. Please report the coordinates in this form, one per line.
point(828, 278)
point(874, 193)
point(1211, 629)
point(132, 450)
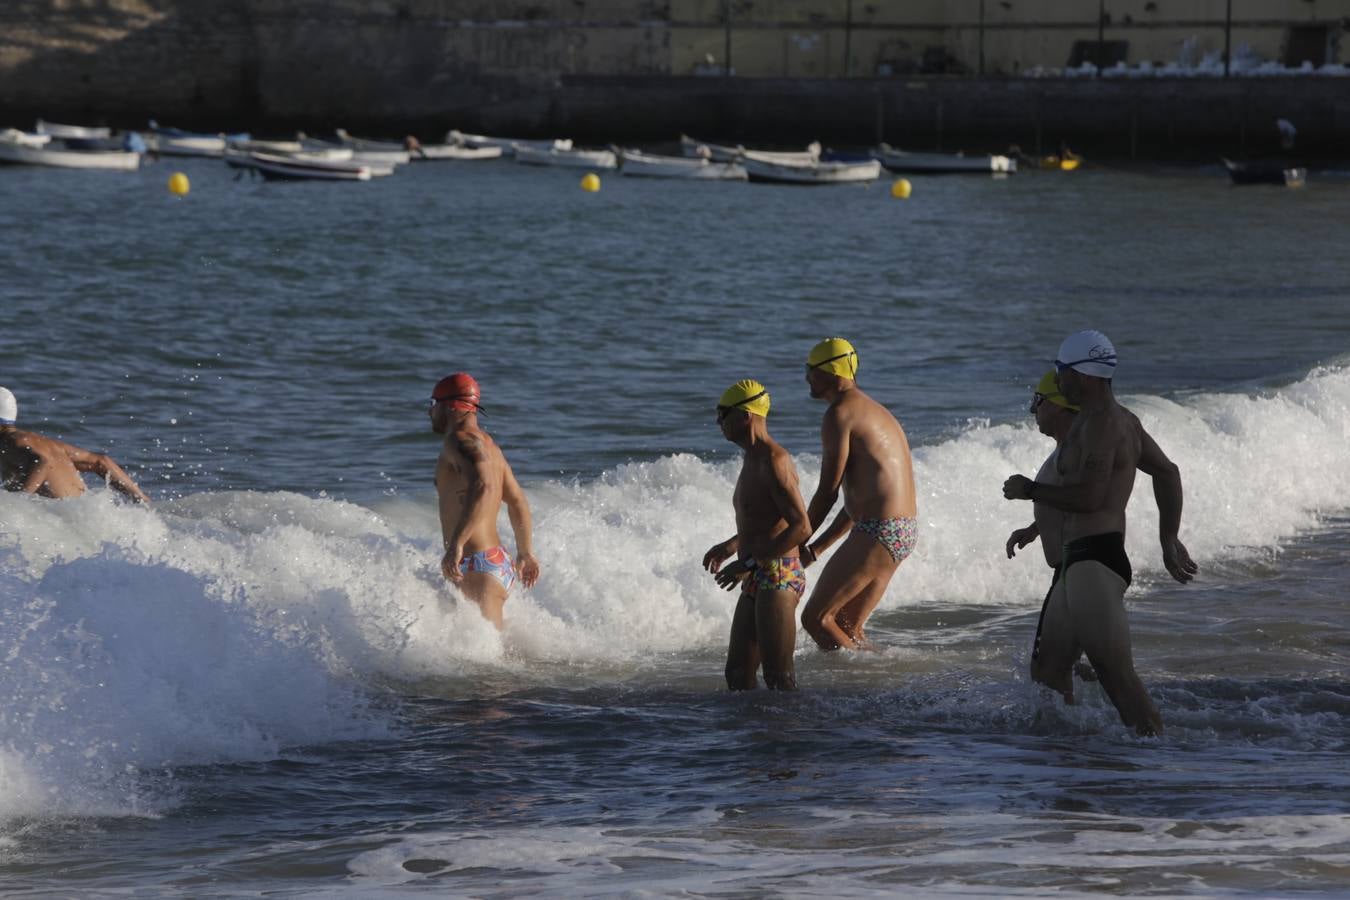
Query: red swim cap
point(460, 390)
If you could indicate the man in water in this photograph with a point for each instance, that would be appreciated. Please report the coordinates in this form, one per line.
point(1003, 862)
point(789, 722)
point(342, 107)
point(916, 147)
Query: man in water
point(771, 524)
point(473, 480)
point(47, 467)
point(866, 453)
point(1095, 469)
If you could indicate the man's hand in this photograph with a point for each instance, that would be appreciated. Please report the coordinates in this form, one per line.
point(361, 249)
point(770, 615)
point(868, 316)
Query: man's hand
point(528, 568)
point(732, 575)
point(1018, 487)
point(1020, 538)
point(450, 564)
point(716, 555)
point(1178, 562)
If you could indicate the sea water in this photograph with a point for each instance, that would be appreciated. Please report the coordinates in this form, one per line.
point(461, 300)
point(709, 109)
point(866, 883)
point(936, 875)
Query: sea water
point(261, 683)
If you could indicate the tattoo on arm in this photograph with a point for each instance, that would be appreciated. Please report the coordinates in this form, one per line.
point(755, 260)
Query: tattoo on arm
point(472, 447)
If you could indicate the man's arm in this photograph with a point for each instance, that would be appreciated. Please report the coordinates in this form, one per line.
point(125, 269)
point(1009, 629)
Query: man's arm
point(788, 500)
point(103, 465)
point(1167, 494)
point(838, 528)
point(1086, 487)
point(522, 525)
point(834, 460)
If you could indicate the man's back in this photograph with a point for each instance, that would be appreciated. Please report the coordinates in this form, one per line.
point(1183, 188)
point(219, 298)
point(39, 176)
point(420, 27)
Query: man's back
point(25, 454)
point(879, 475)
point(470, 472)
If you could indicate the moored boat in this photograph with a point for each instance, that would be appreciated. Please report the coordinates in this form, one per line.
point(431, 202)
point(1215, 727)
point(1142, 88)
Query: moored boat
point(816, 172)
point(508, 145)
point(72, 132)
point(456, 151)
point(374, 153)
point(942, 163)
point(177, 142)
point(291, 168)
point(576, 159)
point(24, 151)
point(646, 165)
point(722, 153)
point(1266, 171)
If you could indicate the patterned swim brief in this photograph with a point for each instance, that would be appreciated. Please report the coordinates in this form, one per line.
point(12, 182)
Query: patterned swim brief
point(897, 535)
point(783, 574)
point(495, 561)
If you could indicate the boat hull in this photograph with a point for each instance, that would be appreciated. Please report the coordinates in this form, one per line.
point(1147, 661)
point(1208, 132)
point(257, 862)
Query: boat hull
point(643, 165)
point(817, 173)
point(900, 161)
point(1266, 172)
point(288, 168)
point(107, 160)
point(572, 159)
point(457, 151)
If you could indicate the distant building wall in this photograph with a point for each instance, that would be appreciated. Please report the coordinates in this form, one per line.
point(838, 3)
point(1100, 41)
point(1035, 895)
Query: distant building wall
point(602, 68)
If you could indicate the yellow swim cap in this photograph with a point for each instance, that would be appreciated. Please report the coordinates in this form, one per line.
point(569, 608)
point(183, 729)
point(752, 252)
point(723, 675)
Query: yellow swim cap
point(835, 356)
point(1050, 391)
point(748, 395)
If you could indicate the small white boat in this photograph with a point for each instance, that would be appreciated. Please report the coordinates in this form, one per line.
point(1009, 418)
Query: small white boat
point(177, 142)
point(816, 172)
point(508, 145)
point(278, 147)
point(722, 153)
point(289, 168)
point(942, 163)
point(26, 138)
point(647, 165)
point(576, 159)
point(57, 155)
point(457, 151)
point(379, 154)
point(72, 132)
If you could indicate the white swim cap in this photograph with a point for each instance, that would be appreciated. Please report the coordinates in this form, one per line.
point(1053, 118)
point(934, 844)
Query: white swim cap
point(9, 407)
point(1088, 352)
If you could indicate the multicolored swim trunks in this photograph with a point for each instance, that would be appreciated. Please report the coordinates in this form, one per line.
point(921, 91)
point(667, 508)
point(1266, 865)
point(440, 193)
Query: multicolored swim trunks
point(784, 574)
point(495, 561)
point(897, 535)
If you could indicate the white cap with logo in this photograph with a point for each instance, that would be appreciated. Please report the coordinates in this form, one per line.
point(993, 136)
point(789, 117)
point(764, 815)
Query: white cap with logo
point(1088, 352)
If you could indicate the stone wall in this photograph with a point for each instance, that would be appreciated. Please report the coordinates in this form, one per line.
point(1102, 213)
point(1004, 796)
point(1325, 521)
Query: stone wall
point(624, 70)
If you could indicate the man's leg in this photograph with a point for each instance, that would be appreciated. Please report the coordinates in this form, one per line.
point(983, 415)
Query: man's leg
point(743, 648)
point(776, 630)
point(1097, 607)
point(1056, 649)
point(484, 589)
point(854, 613)
point(844, 577)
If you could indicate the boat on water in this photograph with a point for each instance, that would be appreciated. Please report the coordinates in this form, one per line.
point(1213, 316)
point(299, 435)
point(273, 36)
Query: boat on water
point(647, 165)
point(1266, 171)
point(277, 167)
point(904, 161)
point(374, 153)
point(723, 153)
point(456, 151)
point(72, 132)
point(25, 149)
point(576, 159)
point(508, 145)
point(769, 170)
point(177, 142)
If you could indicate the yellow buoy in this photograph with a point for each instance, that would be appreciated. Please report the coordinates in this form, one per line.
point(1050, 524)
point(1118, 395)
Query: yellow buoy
point(178, 184)
point(590, 182)
point(1068, 164)
point(901, 189)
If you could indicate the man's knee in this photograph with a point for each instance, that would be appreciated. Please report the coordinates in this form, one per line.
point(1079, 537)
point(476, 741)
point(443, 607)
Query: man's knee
point(1058, 678)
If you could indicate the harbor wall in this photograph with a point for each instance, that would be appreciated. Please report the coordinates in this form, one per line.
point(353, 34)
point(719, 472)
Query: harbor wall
point(645, 70)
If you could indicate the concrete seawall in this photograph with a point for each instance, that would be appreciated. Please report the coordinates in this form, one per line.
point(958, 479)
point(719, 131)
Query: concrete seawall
point(389, 68)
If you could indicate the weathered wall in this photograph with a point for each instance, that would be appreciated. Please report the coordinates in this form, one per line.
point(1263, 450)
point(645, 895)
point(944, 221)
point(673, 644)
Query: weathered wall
point(622, 69)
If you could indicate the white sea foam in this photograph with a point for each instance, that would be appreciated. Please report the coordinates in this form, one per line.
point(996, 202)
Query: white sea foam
point(228, 625)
